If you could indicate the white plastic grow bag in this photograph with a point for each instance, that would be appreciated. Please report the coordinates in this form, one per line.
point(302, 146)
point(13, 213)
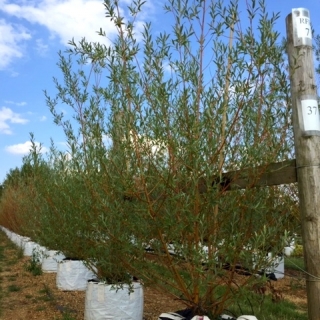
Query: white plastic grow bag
point(39, 252)
point(50, 261)
point(277, 266)
point(28, 248)
point(8, 233)
point(20, 241)
point(23, 241)
point(15, 238)
point(11, 235)
point(73, 275)
point(102, 302)
point(288, 250)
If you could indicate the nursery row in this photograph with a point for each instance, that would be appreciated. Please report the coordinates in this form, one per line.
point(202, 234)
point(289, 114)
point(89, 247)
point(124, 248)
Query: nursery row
point(101, 300)
point(146, 154)
point(119, 239)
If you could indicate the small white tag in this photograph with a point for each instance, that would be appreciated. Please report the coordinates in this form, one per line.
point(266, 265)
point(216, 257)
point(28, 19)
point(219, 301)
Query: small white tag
point(310, 114)
point(303, 27)
point(302, 32)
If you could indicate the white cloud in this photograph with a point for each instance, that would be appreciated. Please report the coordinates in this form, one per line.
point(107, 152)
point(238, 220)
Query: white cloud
point(12, 39)
point(65, 19)
point(23, 148)
point(170, 68)
point(13, 73)
point(43, 118)
point(107, 140)
point(7, 115)
point(20, 104)
point(41, 47)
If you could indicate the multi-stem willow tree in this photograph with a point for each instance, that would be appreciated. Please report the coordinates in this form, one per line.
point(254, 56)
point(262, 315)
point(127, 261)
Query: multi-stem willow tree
point(180, 107)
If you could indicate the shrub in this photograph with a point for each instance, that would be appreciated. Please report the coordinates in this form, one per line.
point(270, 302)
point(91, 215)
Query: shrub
point(298, 251)
point(158, 186)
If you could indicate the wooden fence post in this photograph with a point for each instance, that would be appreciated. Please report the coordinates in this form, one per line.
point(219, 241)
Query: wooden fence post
point(306, 125)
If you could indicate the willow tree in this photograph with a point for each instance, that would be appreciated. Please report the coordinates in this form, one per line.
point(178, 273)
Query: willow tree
point(180, 107)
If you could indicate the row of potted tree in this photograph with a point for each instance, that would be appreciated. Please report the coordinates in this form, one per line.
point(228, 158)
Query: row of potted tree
point(138, 193)
point(101, 299)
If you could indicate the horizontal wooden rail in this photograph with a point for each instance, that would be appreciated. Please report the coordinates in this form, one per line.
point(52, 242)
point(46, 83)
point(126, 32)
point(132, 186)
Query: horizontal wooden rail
point(261, 176)
point(266, 175)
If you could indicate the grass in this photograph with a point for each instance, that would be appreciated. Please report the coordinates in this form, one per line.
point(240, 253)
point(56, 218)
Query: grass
point(16, 257)
point(41, 308)
point(263, 309)
point(2, 258)
point(267, 309)
point(46, 298)
point(12, 278)
point(14, 288)
point(47, 294)
point(276, 311)
point(294, 263)
point(67, 316)
point(34, 265)
point(19, 252)
point(49, 297)
point(2, 252)
point(10, 255)
point(1, 295)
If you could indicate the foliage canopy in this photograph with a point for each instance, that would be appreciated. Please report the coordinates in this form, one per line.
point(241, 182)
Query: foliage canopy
point(156, 116)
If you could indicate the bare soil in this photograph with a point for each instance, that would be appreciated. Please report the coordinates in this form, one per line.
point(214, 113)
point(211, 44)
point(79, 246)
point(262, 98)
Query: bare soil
point(27, 297)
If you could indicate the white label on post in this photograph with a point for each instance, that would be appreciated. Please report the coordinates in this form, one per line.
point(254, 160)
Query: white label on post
point(302, 33)
point(303, 27)
point(310, 114)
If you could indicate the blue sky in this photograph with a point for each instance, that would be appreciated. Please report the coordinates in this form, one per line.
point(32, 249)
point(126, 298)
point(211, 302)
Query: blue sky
point(31, 34)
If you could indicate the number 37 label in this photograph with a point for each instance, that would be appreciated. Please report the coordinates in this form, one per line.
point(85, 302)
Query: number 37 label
point(310, 114)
